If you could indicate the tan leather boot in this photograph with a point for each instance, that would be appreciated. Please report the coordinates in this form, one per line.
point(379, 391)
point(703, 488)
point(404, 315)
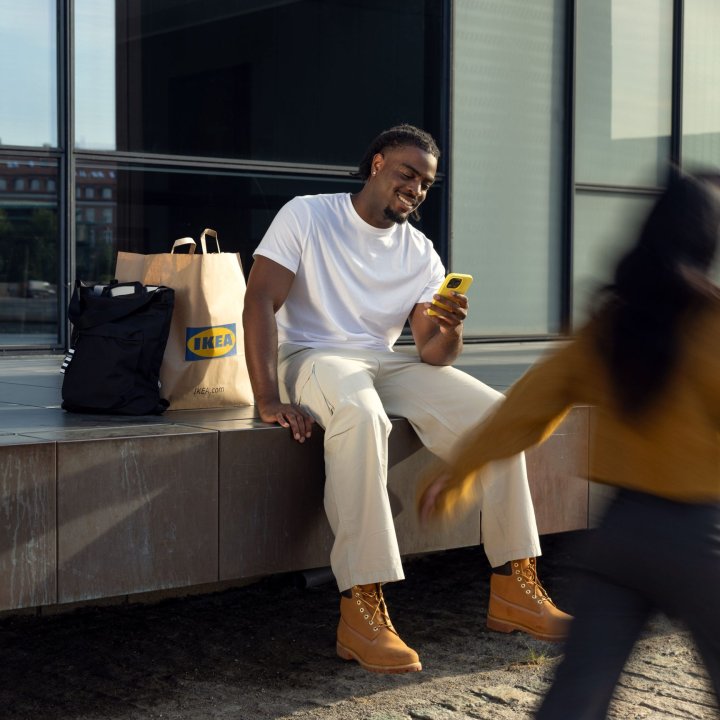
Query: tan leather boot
point(519, 602)
point(366, 634)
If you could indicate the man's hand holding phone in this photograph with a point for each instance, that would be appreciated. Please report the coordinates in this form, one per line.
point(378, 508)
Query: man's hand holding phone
point(450, 303)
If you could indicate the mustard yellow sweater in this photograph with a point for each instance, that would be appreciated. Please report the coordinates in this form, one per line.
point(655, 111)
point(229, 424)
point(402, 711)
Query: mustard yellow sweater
point(672, 451)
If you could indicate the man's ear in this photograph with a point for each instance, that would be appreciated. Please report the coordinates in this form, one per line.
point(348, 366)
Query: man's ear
point(377, 163)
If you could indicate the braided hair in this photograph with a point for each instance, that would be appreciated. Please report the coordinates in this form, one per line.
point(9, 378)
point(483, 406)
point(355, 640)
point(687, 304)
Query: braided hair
point(398, 136)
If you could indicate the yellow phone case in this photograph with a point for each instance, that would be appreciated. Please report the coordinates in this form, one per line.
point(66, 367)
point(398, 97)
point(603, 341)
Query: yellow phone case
point(453, 282)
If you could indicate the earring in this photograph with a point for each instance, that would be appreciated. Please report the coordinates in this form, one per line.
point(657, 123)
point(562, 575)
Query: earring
point(374, 172)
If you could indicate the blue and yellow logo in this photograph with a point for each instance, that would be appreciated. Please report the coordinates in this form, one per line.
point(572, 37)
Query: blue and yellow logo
point(206, 343)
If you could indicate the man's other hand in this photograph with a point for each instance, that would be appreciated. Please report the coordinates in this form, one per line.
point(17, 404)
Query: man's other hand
point(288, 415)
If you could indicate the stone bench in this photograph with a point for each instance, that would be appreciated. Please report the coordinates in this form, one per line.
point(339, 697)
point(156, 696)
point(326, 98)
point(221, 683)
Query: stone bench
point(106, 507)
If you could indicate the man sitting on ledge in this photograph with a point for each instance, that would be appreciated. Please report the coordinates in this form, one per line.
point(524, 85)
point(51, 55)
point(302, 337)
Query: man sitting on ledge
point(334, 280)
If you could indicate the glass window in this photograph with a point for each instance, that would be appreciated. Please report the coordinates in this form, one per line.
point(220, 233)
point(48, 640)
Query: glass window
point(157, 206)
point(29, 274)
point(507, 163)
point(28, 81)
point(265, 80)
point(701, 78)
point(605, 225)
point(623, 91)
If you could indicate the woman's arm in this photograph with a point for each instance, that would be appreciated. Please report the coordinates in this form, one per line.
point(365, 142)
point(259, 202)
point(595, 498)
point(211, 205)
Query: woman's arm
point(532, 410)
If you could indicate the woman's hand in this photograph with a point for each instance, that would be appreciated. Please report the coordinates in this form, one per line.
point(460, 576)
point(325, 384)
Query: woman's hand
point(428, 505)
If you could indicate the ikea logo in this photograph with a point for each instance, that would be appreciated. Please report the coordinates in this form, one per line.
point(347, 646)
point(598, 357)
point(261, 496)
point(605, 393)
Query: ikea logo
point(206, 343)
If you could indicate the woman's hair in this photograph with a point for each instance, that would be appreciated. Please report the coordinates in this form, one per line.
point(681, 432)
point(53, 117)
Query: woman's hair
point(655, 284)
point(398, 136)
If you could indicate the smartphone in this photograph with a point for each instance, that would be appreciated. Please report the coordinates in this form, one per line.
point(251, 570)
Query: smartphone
point(453, 282)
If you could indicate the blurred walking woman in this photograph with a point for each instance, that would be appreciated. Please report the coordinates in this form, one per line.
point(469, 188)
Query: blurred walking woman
point(649, 361)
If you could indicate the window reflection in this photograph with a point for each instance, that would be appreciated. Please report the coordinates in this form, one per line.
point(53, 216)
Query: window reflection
point(605, 225)
point(28, 81)
point(701, 71)
point(94, 223)
point(145, 209)
point(624, 91)
point(507, 165)
point(95, 50)
point(28, 252)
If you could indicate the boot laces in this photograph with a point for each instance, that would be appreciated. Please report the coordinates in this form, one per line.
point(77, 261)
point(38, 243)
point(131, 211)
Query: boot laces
point(375, 608)
point(528, 574)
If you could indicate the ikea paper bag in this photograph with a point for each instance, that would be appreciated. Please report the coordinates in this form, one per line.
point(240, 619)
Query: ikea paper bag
point(204, 362)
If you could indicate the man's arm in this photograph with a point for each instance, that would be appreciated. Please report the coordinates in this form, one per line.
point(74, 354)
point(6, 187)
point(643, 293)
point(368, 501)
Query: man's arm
point(267, 289)
point(439, 338)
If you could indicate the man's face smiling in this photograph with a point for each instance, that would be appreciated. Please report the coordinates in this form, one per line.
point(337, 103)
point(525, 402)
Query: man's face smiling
point(402, 176)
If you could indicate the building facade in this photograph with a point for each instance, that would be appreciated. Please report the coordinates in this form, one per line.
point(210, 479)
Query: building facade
point(125, 124)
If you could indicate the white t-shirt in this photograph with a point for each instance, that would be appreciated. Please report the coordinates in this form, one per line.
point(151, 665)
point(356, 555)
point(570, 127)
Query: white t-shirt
point(355, 284)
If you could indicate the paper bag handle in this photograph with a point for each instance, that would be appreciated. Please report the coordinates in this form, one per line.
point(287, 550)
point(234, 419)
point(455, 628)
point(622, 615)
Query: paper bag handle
point(210, 233)
point(184, 241)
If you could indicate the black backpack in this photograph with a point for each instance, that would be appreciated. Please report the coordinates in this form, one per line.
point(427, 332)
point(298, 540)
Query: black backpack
point(118, 341)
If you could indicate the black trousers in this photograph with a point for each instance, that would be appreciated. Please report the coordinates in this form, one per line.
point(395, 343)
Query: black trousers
point(648, 554)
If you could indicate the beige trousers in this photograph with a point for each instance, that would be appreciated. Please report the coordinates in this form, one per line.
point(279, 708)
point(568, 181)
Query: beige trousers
point(351, 393)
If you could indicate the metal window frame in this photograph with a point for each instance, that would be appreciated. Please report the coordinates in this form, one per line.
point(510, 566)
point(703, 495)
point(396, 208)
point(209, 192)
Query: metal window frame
point(568, 210)
point(676, 129)
point(66, 135)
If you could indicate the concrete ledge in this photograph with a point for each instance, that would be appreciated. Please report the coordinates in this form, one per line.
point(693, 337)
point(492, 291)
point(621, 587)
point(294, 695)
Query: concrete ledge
point(99, 507)
point(28, 529)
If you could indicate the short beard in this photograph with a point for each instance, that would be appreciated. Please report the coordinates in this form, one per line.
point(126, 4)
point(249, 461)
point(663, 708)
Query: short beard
point(394, 217)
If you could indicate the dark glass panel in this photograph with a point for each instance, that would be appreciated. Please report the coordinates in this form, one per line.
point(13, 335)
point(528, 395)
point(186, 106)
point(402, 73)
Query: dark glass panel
point(306, 81)
point(29, 254)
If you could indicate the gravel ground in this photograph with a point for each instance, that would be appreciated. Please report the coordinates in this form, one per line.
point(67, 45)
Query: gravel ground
point(268, 651)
